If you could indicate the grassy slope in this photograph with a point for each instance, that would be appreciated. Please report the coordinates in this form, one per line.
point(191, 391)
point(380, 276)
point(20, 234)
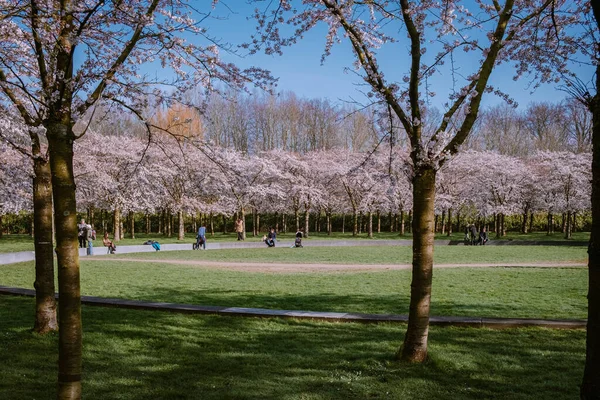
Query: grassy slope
point(143, 355)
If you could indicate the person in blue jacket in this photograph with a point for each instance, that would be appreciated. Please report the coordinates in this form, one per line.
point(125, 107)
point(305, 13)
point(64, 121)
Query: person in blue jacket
point(201, 238)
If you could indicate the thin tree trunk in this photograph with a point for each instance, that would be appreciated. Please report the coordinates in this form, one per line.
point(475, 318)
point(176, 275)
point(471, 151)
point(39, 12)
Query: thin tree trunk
point(370, 229)
point(449, 222)
point(563, 223)
point(45, 303)
point(257, 224)
point(524, 222)
point(443, 222)
point(402, 225)
point(131, 225)
point(458, 221)
point(531, 222)
point(254, 229)
point(297, 216)
point(306, 221)
point(60, 147)
point(343, 222)
point(502, 225)
point(148, 226)
point(181, 230)
point(355, 223)
point(414, 348)
point(243, 216)
point(567, 225)
point(224, 224)
point(378, 221)
point(328, 216)
point(117, 224)
point(391, 222)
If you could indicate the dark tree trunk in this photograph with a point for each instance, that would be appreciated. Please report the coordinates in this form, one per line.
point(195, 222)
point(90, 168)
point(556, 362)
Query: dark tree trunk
point(443, 222)
point(148, 226)
point(590, 386)
point(224, 225)
point(60, 148)
point(414, 348)
point(354, 223)
point(297, 216)
point(502, 225)
point(563, 223)
point(524, 222)
point(161, 222)
point(370, 229)
point(45, 303)
point(449, 222)
point(567, 228)
point(391, 222)
point(343, 222)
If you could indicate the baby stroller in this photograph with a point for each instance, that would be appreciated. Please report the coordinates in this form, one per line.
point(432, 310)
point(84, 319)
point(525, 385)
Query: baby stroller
point(199, 242)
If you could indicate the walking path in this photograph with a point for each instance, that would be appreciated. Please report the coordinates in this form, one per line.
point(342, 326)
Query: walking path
point(475, 322)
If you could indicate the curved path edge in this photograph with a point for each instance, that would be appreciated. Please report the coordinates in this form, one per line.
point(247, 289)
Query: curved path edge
point(475, 322)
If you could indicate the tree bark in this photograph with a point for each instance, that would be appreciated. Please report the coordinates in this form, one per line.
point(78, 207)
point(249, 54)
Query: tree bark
point(60, 146)
point(148, 226)
point(306, 220)
point(378, 221)
point(402, 226)
point(370, 230)
point(181, 230)
point(567, 223)
point(524, 222)
point(131, 225)
point(45, 303)
point(414, 348)
point(590, 387)
point(355, 223)
point(449, 233)
point(443, 222)
point(243, 216)
point(117, 224)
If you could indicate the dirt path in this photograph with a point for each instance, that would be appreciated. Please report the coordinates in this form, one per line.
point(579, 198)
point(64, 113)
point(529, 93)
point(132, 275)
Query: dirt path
point(296, 268)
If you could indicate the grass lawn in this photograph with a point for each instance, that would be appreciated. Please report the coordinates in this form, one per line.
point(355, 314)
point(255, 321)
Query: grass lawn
point(14, 243)
point(375, 254)
point(478, 292)
point(151, 355)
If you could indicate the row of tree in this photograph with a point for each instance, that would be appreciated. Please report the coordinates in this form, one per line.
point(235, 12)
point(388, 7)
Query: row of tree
point(126, 175)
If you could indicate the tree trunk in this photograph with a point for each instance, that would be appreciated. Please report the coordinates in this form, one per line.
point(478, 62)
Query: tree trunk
point(328, 217)
point(257, 224)
point(370, 229)
point(531, 222)
point(148, 226)
point(181, 230)
point(60, 147)
point(443, 222)
point(343, 222)
point(391, 222)
point(243, 217)
point(458, 221)
point(254, 230)
point(402, 226)
point(378, 221)
point(297, 216)
point(414, 348)
point(131, 225)
point(502, 225)
point(117, 224)
point(355, 223)
point(563, 226)
point(590, 387)
point(306, 221)
point(45, 303)
point(524, 223)
point(224, 224)
point(449, 222)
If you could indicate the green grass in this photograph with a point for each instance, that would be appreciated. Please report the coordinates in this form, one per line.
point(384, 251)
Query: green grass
point(14, 243)
point(376, 254)
point(151, 355)
point(477, 292)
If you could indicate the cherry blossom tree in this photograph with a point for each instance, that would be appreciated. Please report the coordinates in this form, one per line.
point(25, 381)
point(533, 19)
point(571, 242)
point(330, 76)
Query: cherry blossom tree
point(29, 141)
point(365, 25)
point(59, 60)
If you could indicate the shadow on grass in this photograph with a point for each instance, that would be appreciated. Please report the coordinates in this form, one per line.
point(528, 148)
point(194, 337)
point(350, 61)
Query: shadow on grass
point(141, 355)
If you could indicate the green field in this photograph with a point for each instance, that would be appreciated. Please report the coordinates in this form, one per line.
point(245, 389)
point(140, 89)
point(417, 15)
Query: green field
point(374, 254)
point(153, 355)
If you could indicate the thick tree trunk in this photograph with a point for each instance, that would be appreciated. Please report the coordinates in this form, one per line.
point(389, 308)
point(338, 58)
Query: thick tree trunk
point(306, 221)
point(567, 228)
point(563, 223)
point(414, 348)
point(60, 146)
point(45, 303)
point(354, 223)
point(524, 222)
point(328, 216)
point(181, 230)
point(449, 222)
point(590, 386)
point(117, 224)
point(131, 225)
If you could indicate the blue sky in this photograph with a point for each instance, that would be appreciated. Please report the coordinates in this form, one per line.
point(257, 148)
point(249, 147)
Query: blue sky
point(299, 69)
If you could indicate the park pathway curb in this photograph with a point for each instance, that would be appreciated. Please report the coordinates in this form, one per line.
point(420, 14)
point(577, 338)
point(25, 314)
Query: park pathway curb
point(475, 322)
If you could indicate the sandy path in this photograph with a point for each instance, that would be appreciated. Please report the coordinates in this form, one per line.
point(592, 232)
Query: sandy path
point(295, 268)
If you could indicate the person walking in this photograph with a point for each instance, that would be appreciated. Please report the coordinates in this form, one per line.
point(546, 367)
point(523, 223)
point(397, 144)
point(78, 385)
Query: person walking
point(201, 237)
point(239, 228)
point(90, 234)
point(81, 233)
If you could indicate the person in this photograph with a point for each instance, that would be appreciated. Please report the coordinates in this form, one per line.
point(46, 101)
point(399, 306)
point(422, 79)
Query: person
point(474, 235)
point(108, 243)
point(90, 236)
point(201, 238)
point(298, 241)
point(270, 238)
point(239, 228)
point(81, 233)
point(483, 236)
point(273, 234)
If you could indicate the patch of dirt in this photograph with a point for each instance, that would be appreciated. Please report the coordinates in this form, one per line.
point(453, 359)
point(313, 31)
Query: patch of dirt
point(300, 268)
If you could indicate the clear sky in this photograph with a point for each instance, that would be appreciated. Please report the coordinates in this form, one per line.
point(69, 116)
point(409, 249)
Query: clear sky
point(299, 69)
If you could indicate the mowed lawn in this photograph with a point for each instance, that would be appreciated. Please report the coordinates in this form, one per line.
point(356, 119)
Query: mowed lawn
point(155, 355)
point(478, 292)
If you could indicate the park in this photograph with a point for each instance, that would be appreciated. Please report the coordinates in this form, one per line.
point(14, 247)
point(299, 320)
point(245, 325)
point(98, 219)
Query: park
point(299, 199)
